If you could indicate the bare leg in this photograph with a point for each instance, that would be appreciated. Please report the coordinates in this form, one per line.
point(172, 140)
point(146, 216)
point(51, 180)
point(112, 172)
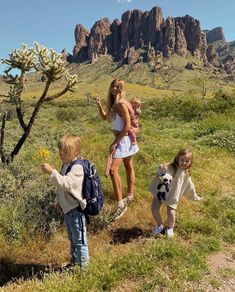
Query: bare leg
point(171, 217)
point(130, 174)
point(156, 205)
point(116, 180)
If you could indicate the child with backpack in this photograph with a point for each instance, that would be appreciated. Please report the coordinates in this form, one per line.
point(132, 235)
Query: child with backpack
point(121, 149)
point(181, 185)
point(70, 199)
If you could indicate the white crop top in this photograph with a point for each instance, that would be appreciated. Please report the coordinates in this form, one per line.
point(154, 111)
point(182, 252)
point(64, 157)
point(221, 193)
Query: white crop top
point(117, 123)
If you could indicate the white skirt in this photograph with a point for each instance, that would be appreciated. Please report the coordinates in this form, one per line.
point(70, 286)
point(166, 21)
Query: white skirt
point(125, 148)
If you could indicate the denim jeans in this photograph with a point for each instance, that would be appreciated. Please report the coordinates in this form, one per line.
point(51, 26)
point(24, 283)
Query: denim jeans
point(75, 222)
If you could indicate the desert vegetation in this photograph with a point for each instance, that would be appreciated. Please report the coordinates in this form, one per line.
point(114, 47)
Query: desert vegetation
point(177, 113)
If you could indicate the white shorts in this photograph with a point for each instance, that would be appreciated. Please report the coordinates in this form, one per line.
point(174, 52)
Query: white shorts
point(125, 148)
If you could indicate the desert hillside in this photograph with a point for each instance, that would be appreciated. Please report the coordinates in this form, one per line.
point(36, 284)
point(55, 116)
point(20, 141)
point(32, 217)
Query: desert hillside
point(182, 108)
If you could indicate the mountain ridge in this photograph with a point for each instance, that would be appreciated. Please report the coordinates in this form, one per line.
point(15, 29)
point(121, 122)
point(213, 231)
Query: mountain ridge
point(158, 37)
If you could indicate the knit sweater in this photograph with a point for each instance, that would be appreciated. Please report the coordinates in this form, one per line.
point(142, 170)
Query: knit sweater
point(69, 194)
point(181, 185)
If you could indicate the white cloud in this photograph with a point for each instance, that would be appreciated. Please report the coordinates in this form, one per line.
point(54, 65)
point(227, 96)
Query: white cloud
point(124, 1)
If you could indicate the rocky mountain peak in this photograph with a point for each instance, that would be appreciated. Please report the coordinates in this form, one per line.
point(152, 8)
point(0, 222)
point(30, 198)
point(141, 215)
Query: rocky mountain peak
point(149, 31)
point(216, 34)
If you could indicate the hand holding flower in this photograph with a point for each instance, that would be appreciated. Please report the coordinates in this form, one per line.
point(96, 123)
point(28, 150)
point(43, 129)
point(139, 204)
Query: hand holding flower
point(46, 168)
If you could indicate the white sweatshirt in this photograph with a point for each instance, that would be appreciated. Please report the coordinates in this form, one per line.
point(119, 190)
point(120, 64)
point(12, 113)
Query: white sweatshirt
point(69, 194)
point(181, 185)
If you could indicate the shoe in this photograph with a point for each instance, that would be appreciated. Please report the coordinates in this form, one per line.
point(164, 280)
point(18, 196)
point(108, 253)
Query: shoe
point(158, 230)
point(118, 213)
point(125, 200)
point(67, 266)
point(169, 232)
point(130, 197)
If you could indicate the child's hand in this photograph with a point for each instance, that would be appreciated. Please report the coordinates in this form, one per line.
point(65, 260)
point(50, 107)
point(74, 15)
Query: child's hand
point(197, 198)
point(162, 169)
point(46, 168)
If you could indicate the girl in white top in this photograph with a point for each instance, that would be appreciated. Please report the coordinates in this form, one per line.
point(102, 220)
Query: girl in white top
point(121, 146)
point(181, 185)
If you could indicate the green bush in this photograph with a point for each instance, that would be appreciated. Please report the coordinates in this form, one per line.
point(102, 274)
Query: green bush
point(67, 114)
point(186, 108)
point(26, 204)
point(223, 139)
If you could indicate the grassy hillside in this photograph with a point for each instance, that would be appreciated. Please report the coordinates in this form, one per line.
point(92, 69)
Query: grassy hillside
point(124, 255)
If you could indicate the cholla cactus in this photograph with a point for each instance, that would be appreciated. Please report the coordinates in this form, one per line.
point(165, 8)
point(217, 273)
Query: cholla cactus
point(40, 59)
point(23, 59)
point(50, 62)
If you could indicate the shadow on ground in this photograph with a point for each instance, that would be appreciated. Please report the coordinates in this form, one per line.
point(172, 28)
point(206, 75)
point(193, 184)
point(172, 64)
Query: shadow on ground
point(123, 235)
point(11, 272)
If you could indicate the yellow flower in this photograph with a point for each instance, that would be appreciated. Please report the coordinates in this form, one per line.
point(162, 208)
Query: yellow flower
point(93, 94)
point(42, 154)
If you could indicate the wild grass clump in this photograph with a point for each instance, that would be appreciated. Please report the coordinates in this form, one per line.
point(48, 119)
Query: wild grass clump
point(209, 244)
point(67, 114)
point(26, 205)
point(223, 139)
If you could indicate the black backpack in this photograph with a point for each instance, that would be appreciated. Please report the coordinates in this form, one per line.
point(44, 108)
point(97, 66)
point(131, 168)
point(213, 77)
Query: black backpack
point(91, 189)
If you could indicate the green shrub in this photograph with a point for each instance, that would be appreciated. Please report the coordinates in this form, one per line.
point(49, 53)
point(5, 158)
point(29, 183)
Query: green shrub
point(67, 114)
point(223, 139)
point(186, 108)
point(26, 204)
point(208, 244)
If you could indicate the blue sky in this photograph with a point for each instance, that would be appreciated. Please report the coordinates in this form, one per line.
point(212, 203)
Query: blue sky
point(52, 22)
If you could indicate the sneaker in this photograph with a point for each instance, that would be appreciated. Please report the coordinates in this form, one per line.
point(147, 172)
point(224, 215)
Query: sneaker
point(158, 230)
point(118, 213)
point(125, 201)
point(67, 266)
point(169, 232)
point(130, 197)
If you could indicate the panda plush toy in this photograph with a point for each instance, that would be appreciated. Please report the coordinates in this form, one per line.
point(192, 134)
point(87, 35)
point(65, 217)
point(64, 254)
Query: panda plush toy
point(163, 186)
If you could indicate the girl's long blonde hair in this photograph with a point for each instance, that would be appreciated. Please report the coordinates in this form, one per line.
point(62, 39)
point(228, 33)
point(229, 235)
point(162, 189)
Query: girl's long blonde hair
point(111, 100)
point(182, 152)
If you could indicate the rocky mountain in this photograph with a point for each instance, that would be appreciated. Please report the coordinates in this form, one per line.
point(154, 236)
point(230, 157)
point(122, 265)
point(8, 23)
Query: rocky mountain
point(216, 34)
point(147, 37)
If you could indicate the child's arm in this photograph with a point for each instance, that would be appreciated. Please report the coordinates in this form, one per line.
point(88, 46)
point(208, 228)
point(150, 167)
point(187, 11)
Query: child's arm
point(69, 182)
point(165, 168)
point(190, 191)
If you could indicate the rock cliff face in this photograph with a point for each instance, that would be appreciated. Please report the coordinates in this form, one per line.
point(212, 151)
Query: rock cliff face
point(216, 34)
point(148, 31)
point(80, 50)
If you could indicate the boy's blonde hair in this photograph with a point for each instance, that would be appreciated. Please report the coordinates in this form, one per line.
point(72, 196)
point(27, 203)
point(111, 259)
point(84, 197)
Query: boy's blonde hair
point(70, 144)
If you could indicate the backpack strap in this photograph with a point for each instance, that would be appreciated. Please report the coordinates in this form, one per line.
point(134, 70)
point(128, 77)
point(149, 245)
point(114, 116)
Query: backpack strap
point(77, 161)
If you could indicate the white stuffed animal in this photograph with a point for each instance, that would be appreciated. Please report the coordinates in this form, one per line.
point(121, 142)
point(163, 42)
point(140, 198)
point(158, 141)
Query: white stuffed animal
point(163, 187)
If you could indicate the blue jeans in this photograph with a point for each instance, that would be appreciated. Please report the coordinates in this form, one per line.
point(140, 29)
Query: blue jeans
point(75, 222)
